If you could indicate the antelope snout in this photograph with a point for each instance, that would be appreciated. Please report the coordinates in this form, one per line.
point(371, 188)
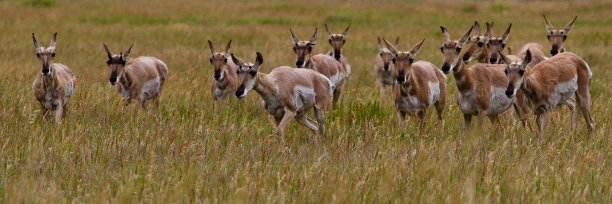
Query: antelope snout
point(493, 60)
point(554, 52)
point(113, 81)
point(337, 54)
point(386, 67)
point(466, 58)
point(446, 68)
point(299, 64)
point(401, 79)
point(240, 92)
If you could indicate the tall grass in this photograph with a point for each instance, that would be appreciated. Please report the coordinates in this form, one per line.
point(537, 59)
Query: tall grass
point(196, 150)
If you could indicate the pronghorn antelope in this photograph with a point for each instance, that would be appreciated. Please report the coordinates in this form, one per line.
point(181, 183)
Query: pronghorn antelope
point(139, 78)
point(287, 93)
point(321, 63)
point(557, 37)
point(225, 72)
point(337, 41)
point(488, 53)
point(551, 83)
point(476, 49)
point(383, 67)
point(54, 84)
point(480, 87)
point(419, 86)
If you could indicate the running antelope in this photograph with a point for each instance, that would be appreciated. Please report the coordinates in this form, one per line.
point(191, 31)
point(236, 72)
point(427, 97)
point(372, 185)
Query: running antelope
point(419, 86)
point(488, 53)
point(557, 37)
point(287, 93)
point(337, 41)
point(140, 78)
point(476, 49)
point(480, 87)
point(54, 84)
point(321, 63)
point(383, 67)
point(551, 83)
point(225, 72)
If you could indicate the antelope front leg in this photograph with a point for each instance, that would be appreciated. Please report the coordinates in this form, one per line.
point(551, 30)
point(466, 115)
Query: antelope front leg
point(59, 114)
point(543, 122)
point(383, 90)
point(284, 122)
point(467, 123)
point(320, 114)
point(422, 115)
point(401, 117)
point(43, 111)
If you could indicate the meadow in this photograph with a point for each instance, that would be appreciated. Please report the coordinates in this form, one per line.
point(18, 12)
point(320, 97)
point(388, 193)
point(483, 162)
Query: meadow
point(194, 149)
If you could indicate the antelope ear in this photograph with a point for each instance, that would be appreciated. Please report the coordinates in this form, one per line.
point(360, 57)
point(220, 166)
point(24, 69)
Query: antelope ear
point(569, 26)
point(237, 61)
point(227, 48)
point(346, 30)
point(549, 26)
point(476, 29)
point(380, 47)
point(128, 52)
point(527, 58)
point(294, 40)
point(444, 34)
point(258, 61)
point(36, 44)
point(504, 59)
point(506, 34)
point(108, 52)
point(489, 34)
point(52, 45)
point(416, 49)
point(328, 31)
point(211, 47)
point(313, 39)
point(466, 36)
point(391, 47)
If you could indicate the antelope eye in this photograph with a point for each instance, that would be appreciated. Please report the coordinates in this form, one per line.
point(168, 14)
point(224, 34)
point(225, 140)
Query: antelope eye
point(38, 55)
point(225, 60)
point(441, 49)
point(458, 49)
point(480, 44)
point(521, 72)
point(487, 44)
point(393, 60)
point(548, 36)
point(294, 49)
point(329, 41)
point(108, 62)
point(343, 41)
point(411, 60)
point(53, 54)
point(210, 60)
point(380, 54)
point(309, 49)
point(252, 72)
point(503, 45)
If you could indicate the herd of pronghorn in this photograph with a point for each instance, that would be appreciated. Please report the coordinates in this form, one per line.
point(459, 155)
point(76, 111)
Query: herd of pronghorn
point(526, 81)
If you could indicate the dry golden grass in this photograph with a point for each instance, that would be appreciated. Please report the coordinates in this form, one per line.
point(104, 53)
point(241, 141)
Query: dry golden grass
point(196, 150)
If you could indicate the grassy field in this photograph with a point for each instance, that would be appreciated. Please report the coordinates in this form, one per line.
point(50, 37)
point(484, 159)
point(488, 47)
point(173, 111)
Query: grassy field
point(196, 150)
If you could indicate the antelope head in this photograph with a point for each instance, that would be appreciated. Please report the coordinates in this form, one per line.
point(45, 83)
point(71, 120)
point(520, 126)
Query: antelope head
point(476, 44)
point(116, 63)
point(247, 73)
point(497, 44)
point(303, 49)
point(45, 54)
point(515, 71)
point(452, 49)
point(557, 37)
point(402, 61)
point(386, 54)
point(337, 41)
point(219, 59)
